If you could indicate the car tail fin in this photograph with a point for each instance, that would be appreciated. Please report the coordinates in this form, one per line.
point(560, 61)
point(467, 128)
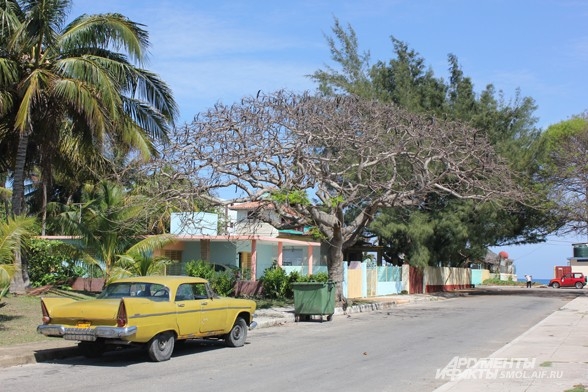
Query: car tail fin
point(45, 313)
point(121, 316)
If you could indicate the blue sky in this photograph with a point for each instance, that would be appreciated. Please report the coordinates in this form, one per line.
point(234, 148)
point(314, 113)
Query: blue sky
point(211, 51)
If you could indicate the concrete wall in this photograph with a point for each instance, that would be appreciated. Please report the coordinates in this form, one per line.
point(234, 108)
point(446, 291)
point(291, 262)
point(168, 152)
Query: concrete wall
point(479, 276)
point(360, 281)
point(194, 223)
point(447, 279)
point(389, 280)
point(93, 285)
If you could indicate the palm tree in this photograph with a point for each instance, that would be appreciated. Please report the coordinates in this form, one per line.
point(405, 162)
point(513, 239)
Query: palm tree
point(60, 83)
point(110, 225)
point(6, 274)
point(13, 234)
point(139, 260)
point(56, 76)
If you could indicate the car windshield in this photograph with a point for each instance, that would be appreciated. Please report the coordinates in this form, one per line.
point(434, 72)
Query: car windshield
point(152, 291)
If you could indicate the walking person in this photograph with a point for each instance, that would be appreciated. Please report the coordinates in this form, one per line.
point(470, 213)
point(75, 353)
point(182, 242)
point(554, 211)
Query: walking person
point(529, 281)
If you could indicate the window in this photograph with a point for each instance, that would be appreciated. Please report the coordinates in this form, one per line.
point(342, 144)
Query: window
point(185, 293)
point(176, 257)
point(200, 291)
point(191, 291)
point(149, 290)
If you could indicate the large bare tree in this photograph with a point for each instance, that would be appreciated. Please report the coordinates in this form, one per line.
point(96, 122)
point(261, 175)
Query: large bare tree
point(324, 156)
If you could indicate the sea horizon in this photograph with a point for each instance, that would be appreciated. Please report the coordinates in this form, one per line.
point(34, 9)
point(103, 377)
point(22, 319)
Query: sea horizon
point(540, 281)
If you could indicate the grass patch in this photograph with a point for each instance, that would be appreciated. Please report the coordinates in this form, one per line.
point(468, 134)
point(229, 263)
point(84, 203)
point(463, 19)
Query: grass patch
point(19, 318)
point(577, 388)
point(498, 282)
point(21, 314)
point(263, 303)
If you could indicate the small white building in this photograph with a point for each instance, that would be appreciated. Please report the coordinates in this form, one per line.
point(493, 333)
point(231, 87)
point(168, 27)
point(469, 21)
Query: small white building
point(239, 239)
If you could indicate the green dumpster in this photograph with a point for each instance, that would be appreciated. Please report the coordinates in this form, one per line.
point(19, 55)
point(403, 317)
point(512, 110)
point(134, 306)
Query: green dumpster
point(314, 299)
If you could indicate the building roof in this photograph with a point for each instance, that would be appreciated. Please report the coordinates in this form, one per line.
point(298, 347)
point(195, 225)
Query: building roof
point(242, 237)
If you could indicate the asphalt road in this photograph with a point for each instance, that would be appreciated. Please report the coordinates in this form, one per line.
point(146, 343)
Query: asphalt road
point(392, 350)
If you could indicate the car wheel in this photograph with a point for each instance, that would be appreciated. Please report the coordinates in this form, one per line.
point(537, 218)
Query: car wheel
point(579, 285)
point(91, 349)
point(555, 285)
point(238, 334)
point(161, 347)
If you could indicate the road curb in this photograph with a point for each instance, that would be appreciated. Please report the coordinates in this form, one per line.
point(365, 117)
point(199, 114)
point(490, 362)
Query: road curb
point(30, 353)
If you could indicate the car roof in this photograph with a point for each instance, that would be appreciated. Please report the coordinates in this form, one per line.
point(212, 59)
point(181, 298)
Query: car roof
point(164, 280)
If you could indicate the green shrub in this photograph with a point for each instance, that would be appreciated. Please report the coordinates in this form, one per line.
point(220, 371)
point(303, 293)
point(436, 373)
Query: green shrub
point(51, 262)
point(223, 283)
point(278, 285)
point(497, 282)
point(318, 277)
point(200, 269)
point(246, 274)
point(275, 283)
point(296, 277)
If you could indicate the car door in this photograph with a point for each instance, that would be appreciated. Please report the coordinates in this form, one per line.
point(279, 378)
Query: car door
point(567, 280)
point(188, 311)
point(214, 310)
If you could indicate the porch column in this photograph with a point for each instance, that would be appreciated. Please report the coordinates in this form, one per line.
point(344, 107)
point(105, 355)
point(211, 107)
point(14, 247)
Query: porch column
point(309, 252)
point(205, 250)
point(253, 260)
point(280, 253)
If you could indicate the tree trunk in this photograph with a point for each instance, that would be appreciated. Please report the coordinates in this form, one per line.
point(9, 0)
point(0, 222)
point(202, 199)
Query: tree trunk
point(19, 174)
point(335, 262)
point(44, 209)
point(20, 280)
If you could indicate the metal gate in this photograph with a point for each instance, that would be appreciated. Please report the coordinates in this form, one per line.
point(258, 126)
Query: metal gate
point(416, 276)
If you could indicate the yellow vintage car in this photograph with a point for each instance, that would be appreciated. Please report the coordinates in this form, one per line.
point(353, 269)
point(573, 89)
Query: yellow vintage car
point(152, 311)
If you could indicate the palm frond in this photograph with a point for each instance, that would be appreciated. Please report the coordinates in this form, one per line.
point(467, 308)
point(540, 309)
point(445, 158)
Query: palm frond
point(83, 99)
point(8, 72)
point(151, 88)
point(33, 87)
point(13, 234)
point(6, 273)
point(150, 243)
point(11, 17)
point(107, 30)
point(152, 122)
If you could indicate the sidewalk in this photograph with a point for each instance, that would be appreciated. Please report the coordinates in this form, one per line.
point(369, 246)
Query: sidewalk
point(552, 356)
point(46, 350)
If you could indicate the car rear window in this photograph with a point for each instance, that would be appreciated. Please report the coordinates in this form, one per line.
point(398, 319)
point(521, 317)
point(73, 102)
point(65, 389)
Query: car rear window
point(136, 289)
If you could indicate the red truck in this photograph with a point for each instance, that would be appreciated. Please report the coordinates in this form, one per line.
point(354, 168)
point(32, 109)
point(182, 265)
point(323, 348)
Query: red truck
point(571, 279)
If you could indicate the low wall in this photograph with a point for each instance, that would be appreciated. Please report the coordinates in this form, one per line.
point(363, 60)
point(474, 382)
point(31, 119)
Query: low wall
point(247, 288)
point(447, 279)
point(384, 281)
point(93, 285)
point(479, 276)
